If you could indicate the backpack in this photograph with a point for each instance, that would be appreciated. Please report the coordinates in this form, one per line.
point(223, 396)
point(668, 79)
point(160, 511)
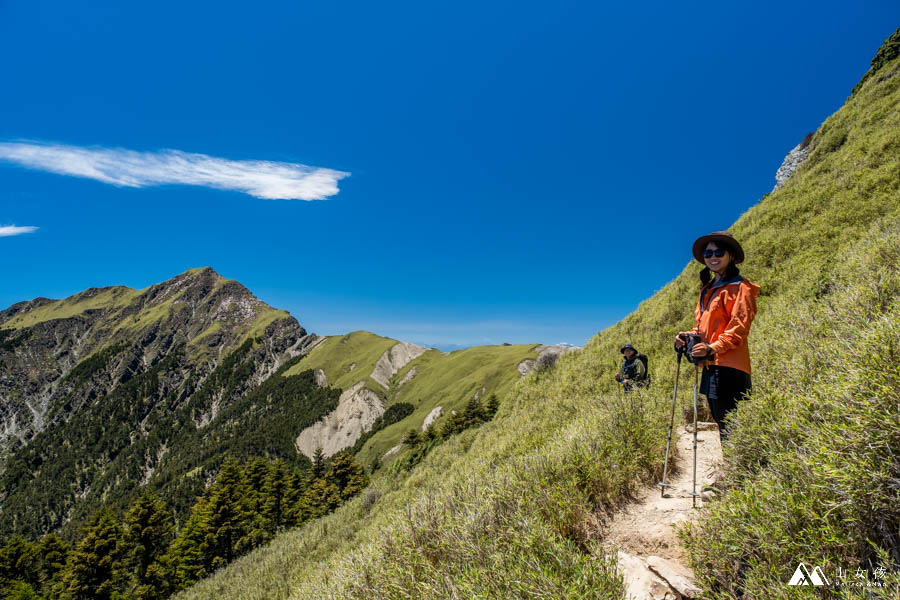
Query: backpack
point(644, 359)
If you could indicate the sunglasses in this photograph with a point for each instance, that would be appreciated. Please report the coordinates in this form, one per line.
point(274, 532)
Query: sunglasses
point(718, 253)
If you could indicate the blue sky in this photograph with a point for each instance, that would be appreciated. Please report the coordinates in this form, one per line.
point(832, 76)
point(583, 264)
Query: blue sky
point(518, 172)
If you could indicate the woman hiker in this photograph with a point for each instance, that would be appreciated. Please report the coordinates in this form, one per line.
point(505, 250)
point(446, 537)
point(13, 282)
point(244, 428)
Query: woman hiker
point(724, 313)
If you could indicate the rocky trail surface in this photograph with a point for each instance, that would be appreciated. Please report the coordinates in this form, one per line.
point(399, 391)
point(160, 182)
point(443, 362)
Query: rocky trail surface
point(643, 534)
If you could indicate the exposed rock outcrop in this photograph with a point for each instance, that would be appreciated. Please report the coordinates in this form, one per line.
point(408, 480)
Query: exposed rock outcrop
point(640, 582)
point(357, 410)
point(321, 379)
point(433, 416)
point(525, 367)
point(546, 358)
point(792, 161)
point(409, 375)
point(399, 355)
point(392, 451)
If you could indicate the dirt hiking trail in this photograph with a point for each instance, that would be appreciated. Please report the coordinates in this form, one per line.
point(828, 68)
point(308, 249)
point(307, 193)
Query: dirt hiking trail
point(650, 554)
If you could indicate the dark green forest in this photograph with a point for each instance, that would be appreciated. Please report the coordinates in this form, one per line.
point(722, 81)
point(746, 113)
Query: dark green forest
point(139, 553)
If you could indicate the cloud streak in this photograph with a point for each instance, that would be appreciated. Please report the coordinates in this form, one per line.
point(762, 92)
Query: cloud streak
point(129, 168)
point(8, 230)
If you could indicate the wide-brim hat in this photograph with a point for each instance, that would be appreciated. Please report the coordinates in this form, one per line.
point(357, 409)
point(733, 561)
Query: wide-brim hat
point(627, 347)
point(722, 239)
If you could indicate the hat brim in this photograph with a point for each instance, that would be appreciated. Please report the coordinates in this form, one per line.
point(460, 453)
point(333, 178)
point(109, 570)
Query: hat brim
point(731, 244)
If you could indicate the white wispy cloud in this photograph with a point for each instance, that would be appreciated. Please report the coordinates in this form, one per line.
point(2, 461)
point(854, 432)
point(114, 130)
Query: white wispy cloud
point(129, 168)
point(8, 230)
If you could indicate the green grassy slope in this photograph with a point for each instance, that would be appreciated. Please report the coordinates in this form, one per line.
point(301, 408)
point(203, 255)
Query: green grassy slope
point(106, 298)
point(348, 359)
point(516, 508)
point(448, 381)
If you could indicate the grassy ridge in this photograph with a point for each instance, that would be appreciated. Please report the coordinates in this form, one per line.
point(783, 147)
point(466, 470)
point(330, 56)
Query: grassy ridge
point(515, 508)
point(348, 359)
point(106, 298)
point(448, 381)
point(117, 301)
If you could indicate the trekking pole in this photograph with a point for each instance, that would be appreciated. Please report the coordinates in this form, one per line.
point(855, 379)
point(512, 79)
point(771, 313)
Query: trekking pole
point(694, 488)
point(662, 484)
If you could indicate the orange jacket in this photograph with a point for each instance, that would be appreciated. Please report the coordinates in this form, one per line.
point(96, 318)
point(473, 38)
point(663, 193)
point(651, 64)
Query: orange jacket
point(724, 314)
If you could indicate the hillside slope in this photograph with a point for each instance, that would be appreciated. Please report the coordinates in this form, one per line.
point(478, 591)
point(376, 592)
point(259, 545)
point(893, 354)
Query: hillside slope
point(517, 508)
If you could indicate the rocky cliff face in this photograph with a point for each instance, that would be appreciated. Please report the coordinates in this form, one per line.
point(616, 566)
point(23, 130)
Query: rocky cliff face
point(793, 160)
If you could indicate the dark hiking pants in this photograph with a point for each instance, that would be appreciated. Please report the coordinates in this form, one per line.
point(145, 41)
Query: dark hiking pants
point(723, 387)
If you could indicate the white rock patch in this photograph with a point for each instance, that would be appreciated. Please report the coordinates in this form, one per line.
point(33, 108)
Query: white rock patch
point(525, 367)
point(409, 375)
point(400, 355)
point(393, 450)
point(796, 157)
point(357, 410)
point(433, 416)
point(547, 355)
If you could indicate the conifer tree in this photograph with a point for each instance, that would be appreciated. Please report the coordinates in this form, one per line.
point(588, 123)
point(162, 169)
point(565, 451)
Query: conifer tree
point(456, 423)
point(148, 531)
point(159, 581)
point(318, 464)
point(222, 526)
point(255, 530)
point(19, 590)
point(319, 498)
point(19, 561)
point(188, 555)
point(53, 552)
point(411, 438)
point(493, 404)
point(275, 491)
point(293, 496)
point(349, 477)
point(96, 568)
point(474, 413)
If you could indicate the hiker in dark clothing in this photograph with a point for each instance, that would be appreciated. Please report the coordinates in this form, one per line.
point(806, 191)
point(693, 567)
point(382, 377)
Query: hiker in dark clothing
point(634, 369)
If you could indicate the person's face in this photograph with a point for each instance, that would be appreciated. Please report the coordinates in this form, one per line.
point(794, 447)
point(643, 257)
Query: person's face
point(717, 264)
point(629, 353)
